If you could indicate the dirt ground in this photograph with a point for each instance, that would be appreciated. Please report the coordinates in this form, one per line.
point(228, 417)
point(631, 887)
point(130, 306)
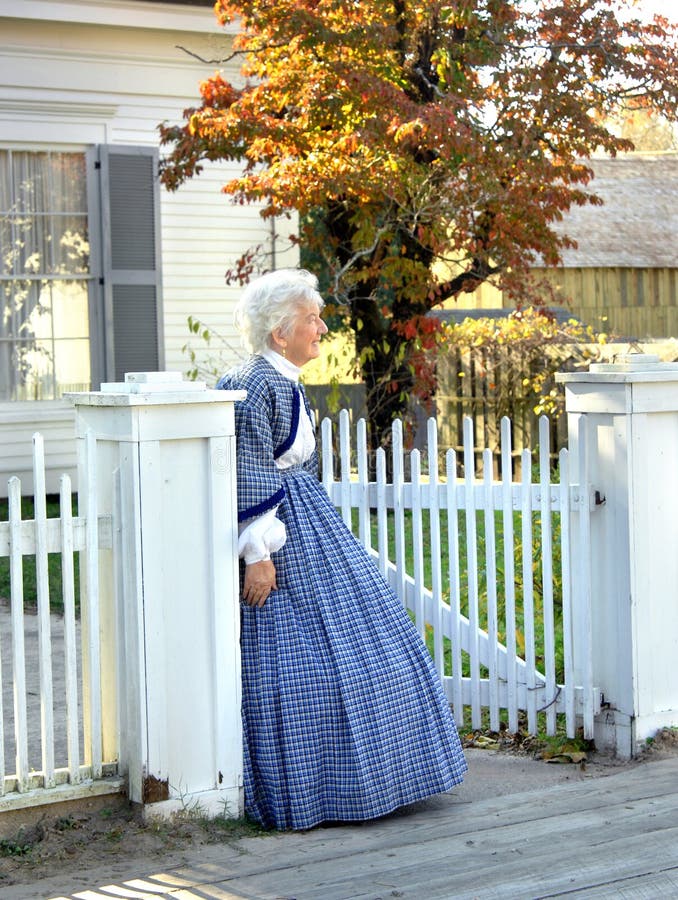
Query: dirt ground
point(68, 838)
point(73, 837)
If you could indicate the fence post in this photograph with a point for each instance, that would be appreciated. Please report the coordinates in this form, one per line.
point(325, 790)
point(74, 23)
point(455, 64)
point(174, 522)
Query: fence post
point(631, 448)
point(169, 630)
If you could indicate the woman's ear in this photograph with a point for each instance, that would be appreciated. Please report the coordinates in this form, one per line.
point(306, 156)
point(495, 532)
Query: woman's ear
point(278, 342)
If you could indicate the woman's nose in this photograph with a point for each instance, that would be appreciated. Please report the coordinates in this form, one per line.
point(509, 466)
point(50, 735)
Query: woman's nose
point(322, 328)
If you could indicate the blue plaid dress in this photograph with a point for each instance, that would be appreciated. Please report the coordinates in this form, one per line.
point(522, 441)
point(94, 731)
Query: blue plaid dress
point(344, 716)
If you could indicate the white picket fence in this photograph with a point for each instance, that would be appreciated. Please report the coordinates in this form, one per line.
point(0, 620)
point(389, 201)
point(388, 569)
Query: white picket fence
point(493, 625)
point(472, 610)
point(50, 728)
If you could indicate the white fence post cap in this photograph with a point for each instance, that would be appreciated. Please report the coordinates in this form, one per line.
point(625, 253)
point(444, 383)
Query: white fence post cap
point(151, 383)
point(634, 362)
point(152, 389)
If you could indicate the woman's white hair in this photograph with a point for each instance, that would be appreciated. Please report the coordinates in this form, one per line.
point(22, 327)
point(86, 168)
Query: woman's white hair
point(271, 302)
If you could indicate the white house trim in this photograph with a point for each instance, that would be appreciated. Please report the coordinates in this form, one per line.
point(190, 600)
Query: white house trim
point(163, 16)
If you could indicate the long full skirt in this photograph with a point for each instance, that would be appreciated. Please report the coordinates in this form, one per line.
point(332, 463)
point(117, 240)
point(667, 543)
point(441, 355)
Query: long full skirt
point(344, 716)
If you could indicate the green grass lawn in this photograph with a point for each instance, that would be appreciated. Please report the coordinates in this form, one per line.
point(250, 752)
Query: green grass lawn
point(536, 566)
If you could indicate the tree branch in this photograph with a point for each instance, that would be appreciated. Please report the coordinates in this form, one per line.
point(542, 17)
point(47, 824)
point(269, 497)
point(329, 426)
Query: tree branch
point(469, 280)
point(234, 54)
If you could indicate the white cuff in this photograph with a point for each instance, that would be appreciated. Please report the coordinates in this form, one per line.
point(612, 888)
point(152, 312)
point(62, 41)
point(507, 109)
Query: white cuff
point(260, 537)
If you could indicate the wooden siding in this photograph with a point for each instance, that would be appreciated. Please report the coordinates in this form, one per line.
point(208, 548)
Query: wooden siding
point(203, 234)
point(113, 84)
point(55, 420)
point(627, 303)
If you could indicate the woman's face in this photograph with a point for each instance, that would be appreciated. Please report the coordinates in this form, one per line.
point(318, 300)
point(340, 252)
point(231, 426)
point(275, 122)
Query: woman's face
point(302, 343)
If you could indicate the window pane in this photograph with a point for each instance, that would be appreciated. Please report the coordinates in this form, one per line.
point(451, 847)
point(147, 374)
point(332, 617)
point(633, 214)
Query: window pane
point(71, 364)
point(31, 244)
point(30, 182)
point(35, 364)
point(19, 299)
point(44, 323)
point(69, 309)
point(6, 246)
point(44, 340)
point(70, 244)
point(5, 183)
point(68, 183)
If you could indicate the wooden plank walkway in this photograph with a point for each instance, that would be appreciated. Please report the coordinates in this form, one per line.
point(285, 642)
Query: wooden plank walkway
point(610, 836)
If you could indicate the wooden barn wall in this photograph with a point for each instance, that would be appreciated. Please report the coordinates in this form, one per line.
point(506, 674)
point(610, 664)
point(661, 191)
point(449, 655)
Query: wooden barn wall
point(627, 303)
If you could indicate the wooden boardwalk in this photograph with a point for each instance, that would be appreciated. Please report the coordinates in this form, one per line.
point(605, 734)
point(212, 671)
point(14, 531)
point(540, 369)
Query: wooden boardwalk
point(611, 836)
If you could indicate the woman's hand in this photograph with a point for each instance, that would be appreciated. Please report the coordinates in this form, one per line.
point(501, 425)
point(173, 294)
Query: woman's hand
point(259, 582)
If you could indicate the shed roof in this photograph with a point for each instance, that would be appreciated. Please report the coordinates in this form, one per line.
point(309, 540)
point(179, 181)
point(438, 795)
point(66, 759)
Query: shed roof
point(638, 224)
point(454, 315)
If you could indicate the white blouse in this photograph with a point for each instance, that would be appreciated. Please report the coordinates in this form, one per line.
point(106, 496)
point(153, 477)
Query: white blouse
point(260, 537)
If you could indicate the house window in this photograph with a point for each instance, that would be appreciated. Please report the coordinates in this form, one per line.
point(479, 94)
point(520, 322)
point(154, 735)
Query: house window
point(44, 275)
point(79, 269)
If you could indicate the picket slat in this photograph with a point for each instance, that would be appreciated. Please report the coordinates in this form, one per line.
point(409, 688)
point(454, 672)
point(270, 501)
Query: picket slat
point(472, 566)
point(528, 593)
point(435, 544)
point(547, 571)
point(364, 524)
point(70, 649)
point(93, 750)
point(568, 648)
point(455, 587)
point(327, 454)
point(399, 505)
point(509, 573)
point(345, 474)
point(382, 523)
point(491, 589)
point(44, 627)
point(417, 544)
point(18, 644)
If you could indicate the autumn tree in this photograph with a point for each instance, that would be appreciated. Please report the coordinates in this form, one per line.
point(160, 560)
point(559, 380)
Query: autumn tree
point(425, 146)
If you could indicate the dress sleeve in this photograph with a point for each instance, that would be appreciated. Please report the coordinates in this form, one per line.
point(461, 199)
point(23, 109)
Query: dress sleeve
point(260, 537)
point(259, 483)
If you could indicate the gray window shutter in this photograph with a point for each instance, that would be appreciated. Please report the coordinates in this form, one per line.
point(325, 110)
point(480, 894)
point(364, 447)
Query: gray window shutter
point(130, 326)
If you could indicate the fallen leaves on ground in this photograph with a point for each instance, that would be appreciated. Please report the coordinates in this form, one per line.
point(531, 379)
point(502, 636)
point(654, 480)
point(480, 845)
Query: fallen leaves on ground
point(549, 749)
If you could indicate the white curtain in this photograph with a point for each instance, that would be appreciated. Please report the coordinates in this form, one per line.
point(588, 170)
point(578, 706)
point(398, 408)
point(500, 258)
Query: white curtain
point(44, 345)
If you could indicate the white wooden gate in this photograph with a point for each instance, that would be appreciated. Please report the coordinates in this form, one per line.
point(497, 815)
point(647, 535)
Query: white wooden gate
point(50, 729)
point(508, 631)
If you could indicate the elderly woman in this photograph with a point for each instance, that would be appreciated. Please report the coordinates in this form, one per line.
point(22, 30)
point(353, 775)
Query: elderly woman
point(344, 717)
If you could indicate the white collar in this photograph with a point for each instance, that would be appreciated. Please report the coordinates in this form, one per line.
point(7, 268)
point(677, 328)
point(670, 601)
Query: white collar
point(282, 365)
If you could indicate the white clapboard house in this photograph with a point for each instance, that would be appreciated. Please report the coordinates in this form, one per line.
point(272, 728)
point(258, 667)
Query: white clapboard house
point(100, 266)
